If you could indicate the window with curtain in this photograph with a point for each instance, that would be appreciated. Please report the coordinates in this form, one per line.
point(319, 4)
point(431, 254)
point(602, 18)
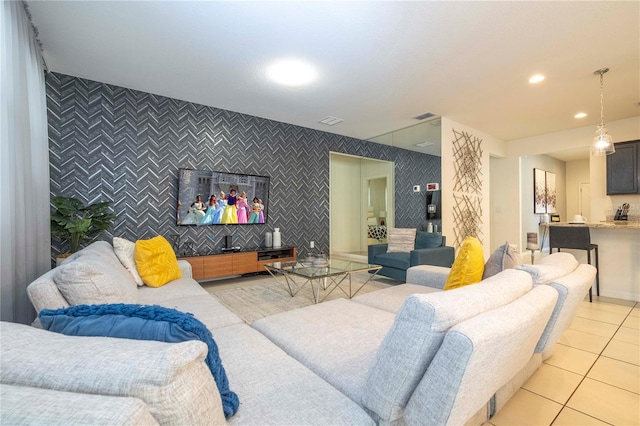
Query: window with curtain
point(25, 242)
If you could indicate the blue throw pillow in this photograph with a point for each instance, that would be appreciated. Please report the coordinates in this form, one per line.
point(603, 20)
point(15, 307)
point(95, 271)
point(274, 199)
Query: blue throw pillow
point(142, 323)
point(428, 240)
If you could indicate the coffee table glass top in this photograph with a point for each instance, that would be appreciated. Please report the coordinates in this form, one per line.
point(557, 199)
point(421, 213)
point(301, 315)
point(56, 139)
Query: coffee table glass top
point(330, 268)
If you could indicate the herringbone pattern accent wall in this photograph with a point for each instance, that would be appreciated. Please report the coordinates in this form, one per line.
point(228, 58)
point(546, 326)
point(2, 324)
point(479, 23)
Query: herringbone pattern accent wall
point(108, 143)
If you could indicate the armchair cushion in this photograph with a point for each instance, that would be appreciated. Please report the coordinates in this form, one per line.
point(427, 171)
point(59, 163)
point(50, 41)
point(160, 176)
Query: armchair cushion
point(401, 240)
point(439, 256)
point(428, 240)
point(394, 260)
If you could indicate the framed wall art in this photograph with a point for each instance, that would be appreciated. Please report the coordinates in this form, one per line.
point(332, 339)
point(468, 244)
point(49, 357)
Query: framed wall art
point(539, 191)
point(550, 190)
point(544, 192)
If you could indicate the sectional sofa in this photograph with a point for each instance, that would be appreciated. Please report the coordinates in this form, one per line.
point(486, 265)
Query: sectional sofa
point(411, 354)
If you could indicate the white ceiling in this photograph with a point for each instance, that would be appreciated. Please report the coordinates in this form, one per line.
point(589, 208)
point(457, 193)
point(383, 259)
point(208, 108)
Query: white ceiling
point(379, 63)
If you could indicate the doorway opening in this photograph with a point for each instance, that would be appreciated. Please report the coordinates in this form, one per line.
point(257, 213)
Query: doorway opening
point(361, 204)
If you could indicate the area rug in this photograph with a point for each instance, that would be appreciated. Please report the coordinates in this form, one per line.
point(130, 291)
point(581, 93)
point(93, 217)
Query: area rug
point(252, 302)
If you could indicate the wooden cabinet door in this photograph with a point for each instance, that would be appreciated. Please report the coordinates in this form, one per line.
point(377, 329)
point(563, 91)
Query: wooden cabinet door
point(197, 267)
point(623, 169)
point(220, 265)
point(244, 263)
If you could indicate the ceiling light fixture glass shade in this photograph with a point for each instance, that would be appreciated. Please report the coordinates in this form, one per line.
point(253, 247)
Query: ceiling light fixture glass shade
point(291, 72)
point(602, 143)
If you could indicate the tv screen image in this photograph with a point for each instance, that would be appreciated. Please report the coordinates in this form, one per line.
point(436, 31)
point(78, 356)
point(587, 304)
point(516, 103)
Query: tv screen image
point(218, 198)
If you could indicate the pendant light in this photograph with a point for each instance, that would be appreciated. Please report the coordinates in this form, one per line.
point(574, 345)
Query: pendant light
point(602, 143)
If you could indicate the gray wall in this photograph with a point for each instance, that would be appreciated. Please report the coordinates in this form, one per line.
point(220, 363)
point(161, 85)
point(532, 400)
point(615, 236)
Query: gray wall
point(109, 143)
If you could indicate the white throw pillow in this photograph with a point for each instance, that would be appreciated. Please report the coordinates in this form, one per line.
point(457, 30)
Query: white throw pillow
point(125, 250)
point(401, 240)
point(91, 281)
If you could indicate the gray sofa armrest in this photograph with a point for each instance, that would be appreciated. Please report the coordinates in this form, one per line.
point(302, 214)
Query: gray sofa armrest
point(33, 405)
point(376, 249)
point(428, 275)
point(171, 378)
point(44, 294)
point(438, 256)
point(185, 268)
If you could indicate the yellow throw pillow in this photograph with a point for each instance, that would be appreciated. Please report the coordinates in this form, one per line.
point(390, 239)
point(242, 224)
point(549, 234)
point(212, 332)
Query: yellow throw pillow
point(156, 262)
point(468, 266)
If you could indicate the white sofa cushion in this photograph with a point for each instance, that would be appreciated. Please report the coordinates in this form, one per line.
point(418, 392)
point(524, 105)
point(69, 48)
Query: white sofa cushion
point(275, 389)
point(551, 267)
point(89, 280)
point(337, 340)
point(391, 299)
point(171, 378)
point(125, 250)
point(479, 356)
point(417, 333)
point(101, 249)
point(571, 289)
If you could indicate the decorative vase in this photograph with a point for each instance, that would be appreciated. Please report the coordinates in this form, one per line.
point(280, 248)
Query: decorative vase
point(277, 238)
point(268, 239)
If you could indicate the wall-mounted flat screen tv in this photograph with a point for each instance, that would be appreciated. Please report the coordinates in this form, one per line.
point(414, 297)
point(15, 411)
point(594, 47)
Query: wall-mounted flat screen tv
point(218, 198)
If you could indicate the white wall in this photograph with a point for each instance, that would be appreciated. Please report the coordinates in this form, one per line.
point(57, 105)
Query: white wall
point(577, 173)
point(505, 202)
point(530, 221)
point(491, 146)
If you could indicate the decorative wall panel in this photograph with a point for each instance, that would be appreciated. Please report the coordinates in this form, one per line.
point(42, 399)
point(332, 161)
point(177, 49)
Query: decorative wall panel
point(467, 187)
point(111, 143)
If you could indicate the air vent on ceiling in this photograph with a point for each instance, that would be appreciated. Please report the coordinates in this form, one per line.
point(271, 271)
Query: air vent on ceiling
point(425, 115)
point(423, 144)
point(331, 121)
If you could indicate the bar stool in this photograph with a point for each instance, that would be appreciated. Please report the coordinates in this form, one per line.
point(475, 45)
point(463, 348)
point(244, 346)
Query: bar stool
point(575, 237)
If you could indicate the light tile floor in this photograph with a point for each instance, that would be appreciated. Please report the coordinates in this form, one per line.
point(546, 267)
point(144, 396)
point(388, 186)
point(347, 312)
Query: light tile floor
point(593, 376)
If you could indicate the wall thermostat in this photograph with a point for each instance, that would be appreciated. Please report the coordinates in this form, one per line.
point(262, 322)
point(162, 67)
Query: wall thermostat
point(416, 188)
point(433, 187)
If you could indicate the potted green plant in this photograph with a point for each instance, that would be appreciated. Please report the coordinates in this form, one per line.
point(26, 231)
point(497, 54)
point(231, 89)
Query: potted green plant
point(78, 224)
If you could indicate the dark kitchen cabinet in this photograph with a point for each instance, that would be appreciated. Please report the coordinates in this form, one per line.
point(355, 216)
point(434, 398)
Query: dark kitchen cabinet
point(623, 169)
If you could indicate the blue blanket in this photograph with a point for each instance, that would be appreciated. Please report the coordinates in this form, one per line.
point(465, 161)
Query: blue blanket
point(142, 323)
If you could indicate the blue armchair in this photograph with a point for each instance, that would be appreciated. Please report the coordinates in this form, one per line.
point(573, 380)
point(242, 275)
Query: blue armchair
point(430, 249)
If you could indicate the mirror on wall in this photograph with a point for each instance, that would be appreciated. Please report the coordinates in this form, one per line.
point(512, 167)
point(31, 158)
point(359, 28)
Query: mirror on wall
point(376, 210)
point(362, 204)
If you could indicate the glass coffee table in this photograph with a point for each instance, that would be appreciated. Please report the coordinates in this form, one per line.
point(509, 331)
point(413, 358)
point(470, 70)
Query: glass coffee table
point(327, 276)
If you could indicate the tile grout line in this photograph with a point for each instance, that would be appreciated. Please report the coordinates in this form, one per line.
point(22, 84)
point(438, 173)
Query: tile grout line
point(589, 370)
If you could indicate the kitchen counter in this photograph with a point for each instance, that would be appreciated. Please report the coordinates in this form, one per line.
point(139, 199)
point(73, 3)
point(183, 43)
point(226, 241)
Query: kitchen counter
point(618, 224)
point(619, 256)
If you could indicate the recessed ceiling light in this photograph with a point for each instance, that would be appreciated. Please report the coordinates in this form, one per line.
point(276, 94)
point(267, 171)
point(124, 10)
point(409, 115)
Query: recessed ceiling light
point(580, 115)
point(291, 72)
point(536, 78)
